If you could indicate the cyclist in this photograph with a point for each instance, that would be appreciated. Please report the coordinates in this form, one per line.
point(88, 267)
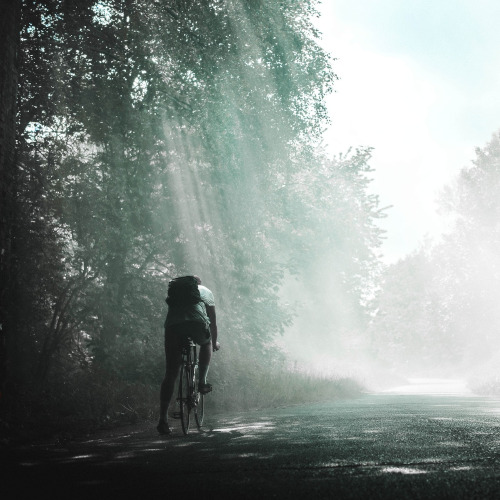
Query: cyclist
point(199, 323)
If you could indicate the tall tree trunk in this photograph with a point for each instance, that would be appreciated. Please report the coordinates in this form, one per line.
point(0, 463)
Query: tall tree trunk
point(10, 17)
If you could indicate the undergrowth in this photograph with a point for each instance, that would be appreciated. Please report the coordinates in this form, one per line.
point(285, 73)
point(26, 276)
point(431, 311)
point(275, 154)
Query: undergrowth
point(89, 401)
point(278, 388)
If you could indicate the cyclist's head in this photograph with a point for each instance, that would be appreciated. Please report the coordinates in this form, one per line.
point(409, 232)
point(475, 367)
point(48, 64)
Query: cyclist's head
point(198, 279)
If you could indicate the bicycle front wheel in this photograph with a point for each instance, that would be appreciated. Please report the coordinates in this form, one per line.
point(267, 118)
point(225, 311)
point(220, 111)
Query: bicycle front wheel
point(184, 398)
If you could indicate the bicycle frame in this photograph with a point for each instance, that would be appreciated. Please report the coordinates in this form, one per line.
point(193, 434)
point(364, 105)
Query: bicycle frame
point(189, 399)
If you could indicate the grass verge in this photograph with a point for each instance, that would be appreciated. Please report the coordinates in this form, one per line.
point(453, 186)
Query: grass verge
point(88, 402)
point(279, 388)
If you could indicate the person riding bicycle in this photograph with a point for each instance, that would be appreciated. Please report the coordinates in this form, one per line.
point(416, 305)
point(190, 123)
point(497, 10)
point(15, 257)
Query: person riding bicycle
point(197, 322)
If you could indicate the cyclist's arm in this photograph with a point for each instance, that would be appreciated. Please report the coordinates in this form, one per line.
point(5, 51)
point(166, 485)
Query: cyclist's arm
point(213, 326)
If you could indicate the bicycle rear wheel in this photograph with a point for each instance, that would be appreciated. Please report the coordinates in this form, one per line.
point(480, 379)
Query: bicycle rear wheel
point(184, 398)
point(199, 411)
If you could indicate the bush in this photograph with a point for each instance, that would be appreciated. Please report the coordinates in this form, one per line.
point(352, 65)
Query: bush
point(90, 400)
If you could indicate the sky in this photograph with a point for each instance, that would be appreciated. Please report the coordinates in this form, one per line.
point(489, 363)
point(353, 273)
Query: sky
point(419, 81)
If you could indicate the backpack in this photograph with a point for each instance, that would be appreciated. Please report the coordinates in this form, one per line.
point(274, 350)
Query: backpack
point(183, 292)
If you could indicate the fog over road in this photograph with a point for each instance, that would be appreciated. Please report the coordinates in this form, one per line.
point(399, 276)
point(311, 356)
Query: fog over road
point(398, 444)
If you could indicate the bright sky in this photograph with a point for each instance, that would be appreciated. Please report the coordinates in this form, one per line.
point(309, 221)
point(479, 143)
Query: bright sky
point(419, 82)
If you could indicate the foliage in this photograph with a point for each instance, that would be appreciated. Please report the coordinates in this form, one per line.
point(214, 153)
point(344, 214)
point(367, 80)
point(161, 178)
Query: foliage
point(88, 401)
point(160, 138)
point(438, 309)
point(331, 241)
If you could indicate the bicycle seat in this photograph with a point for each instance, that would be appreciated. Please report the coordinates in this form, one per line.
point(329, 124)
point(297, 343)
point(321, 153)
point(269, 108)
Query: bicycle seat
point(188, 343)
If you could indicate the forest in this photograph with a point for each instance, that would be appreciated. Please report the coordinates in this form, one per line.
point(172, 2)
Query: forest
point(437, 308)
point(147, 140)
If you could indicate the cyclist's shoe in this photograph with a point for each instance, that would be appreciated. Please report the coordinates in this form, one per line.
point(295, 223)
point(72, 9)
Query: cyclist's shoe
point(163, 428)
point(205, 388)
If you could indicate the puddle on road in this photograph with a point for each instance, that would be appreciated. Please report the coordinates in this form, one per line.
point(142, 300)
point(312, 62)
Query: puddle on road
point(403, 470)
point(258, 426)
point(75, 458)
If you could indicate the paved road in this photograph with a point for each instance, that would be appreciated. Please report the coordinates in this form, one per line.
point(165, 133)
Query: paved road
point(378, 446)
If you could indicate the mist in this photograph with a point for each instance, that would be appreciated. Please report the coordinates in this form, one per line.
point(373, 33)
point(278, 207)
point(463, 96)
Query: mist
point(437, 309)
point(430, 314)
point(158, 140)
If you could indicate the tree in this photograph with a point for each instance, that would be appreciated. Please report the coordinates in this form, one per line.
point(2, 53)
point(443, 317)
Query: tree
point(332, 243)
point(469, 255)
point(9, 43)
point(437, 307)
point(146, 135)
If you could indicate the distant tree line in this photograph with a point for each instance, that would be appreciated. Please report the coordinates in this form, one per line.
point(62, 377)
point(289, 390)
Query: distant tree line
point(438, 308)
point(154, 139)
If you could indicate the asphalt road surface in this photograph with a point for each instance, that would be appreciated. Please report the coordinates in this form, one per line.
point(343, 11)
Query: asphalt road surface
point(401, 444)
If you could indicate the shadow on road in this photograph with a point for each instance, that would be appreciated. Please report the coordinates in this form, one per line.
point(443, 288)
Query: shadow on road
point(378, 446)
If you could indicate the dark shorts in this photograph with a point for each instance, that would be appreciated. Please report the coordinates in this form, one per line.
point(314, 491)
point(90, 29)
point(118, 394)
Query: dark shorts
point(195, 330)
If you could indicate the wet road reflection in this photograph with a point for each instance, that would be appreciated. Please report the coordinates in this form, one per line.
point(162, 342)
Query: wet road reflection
point(353, 448)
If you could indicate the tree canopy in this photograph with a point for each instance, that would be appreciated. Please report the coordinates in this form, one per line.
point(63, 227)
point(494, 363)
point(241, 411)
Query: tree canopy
point(437, 309)
point(162, 138)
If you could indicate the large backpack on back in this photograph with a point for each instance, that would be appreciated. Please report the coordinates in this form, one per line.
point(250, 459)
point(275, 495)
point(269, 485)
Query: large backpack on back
point(183, 292)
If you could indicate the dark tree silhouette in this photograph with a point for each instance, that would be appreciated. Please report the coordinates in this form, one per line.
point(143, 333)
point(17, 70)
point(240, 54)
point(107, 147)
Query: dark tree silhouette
point(10, 15)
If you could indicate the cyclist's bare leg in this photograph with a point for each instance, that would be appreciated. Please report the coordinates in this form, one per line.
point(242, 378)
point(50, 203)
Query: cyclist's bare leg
point(173, 355)
point(167, 389)
point(204, 361)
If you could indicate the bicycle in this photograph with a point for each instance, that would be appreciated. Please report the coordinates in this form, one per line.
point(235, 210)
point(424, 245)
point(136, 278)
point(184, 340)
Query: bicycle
point(190, 399)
